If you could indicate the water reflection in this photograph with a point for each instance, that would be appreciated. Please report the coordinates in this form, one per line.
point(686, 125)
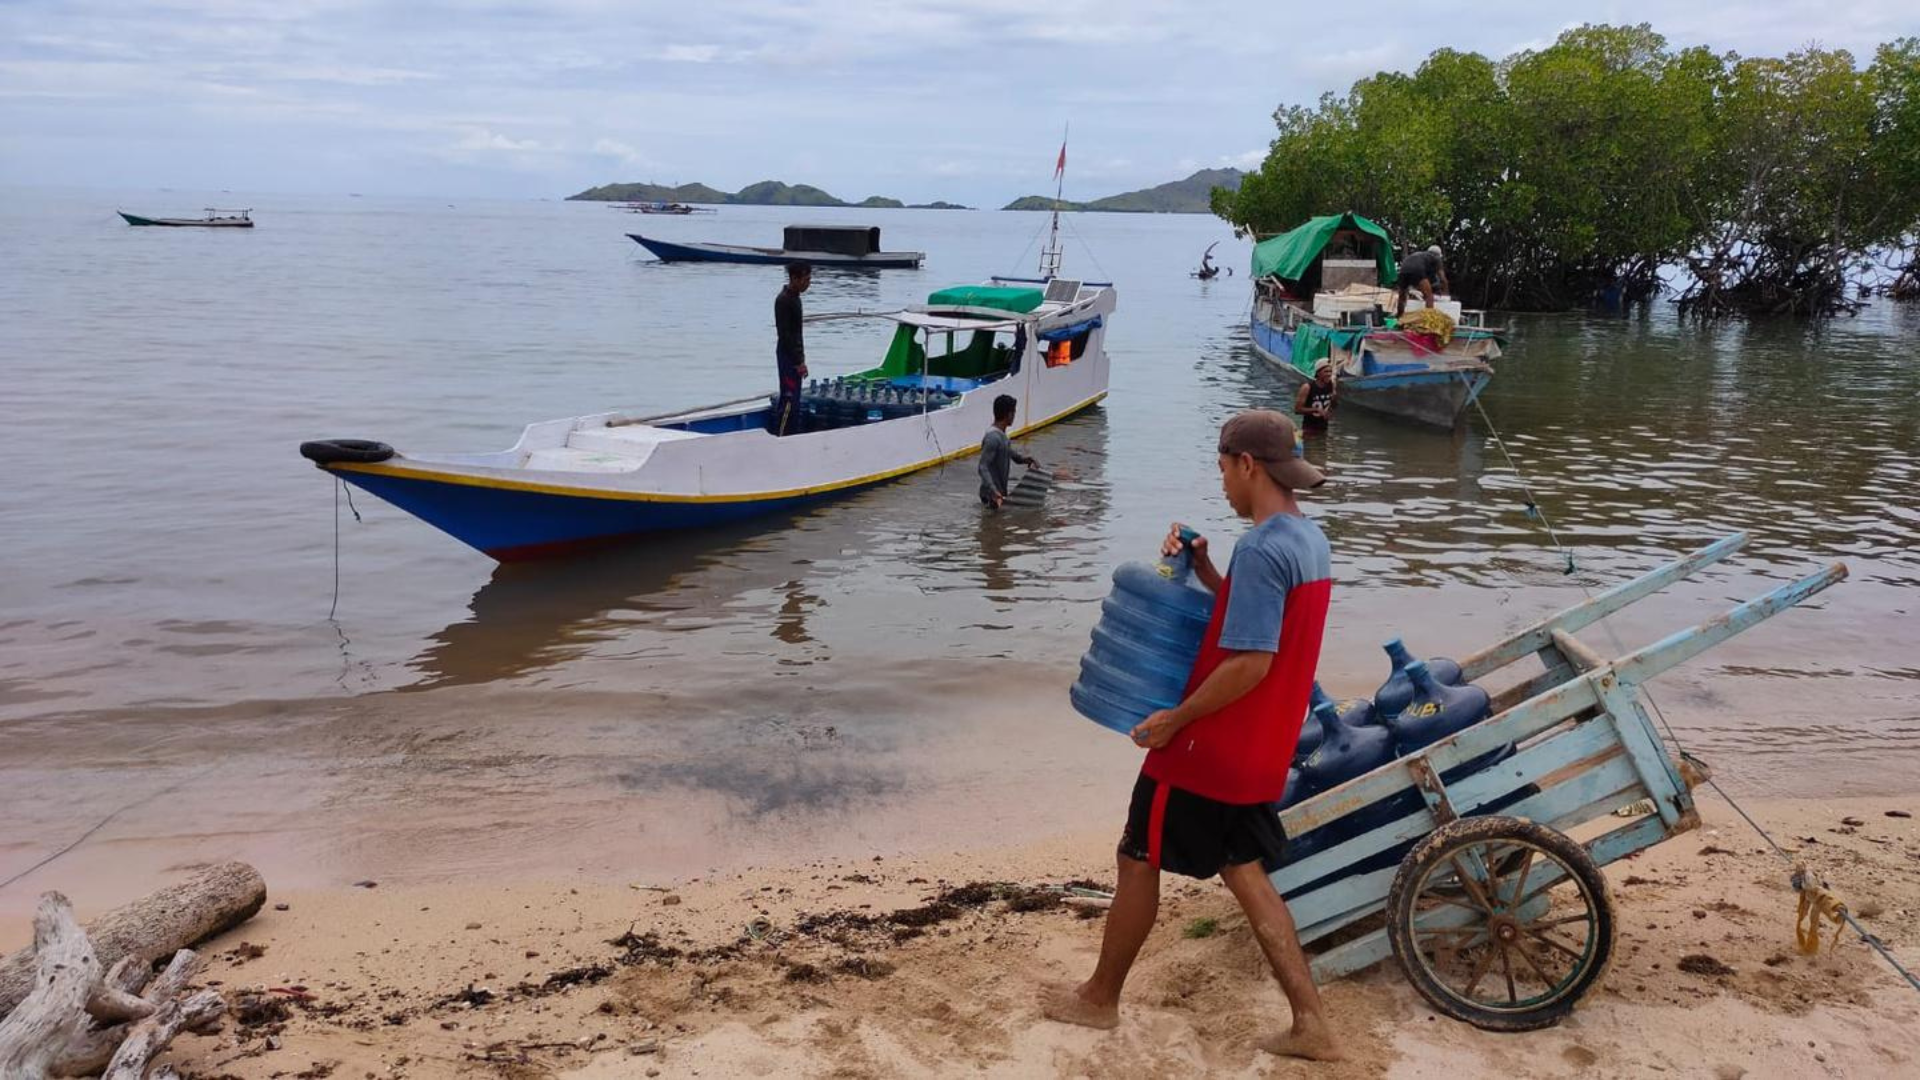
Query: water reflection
point(532, 616)
point(809, 582)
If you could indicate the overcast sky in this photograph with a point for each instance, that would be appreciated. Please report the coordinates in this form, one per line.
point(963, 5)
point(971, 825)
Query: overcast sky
point(953, 99)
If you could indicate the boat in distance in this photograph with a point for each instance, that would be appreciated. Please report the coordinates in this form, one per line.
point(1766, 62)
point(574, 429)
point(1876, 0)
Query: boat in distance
point(588, 481)
point(844, 246)
point(216, 219)
point(1323, 292)
point(673, 208)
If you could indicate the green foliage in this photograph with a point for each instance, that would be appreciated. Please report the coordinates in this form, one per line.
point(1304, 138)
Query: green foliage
point(1204, 927)
point(1595, 162)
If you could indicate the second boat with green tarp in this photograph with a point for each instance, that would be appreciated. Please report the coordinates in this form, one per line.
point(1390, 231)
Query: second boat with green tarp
point(1325, 291)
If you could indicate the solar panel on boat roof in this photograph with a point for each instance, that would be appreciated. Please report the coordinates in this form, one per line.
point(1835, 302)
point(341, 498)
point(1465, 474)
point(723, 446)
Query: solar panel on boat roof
point(1062, 291)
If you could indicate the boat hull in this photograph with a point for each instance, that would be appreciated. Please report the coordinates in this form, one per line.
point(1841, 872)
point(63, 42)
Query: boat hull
point(666, 251)
point(1436, 398)
point(519, 522)
point(179, 223)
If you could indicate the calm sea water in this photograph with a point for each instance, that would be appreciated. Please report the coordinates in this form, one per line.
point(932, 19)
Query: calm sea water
point(164, 547)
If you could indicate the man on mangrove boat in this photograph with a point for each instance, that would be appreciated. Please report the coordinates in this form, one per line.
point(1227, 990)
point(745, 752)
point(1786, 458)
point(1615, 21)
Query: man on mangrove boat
point(1314, 400)
point(1420, 269)
point(789, 350)
point(1205, 800)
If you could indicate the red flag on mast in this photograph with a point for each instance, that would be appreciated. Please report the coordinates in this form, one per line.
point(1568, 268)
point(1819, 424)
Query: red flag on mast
point(1060, 167)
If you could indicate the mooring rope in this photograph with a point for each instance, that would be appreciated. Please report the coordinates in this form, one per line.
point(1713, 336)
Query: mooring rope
point(1814, 895)
point(339, 486)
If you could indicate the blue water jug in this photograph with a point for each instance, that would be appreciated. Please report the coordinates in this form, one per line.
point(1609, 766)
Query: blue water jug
point(1312, 734)
point(1146, 641)
point(1345, 753)
point(1295, 791)
point(1394, 694)
point(1435, 711)
point(1354, 712)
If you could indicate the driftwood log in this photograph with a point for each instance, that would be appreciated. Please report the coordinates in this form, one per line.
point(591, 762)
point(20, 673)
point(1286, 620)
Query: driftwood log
point(85, 1011)
point(78, 1020)
point(148, 930)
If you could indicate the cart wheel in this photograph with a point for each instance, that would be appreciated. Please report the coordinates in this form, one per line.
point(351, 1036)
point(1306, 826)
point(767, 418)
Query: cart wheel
point(1501, 922)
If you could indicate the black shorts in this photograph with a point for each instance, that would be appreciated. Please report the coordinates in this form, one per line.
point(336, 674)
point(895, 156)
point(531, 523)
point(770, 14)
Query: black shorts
point(1195, 836)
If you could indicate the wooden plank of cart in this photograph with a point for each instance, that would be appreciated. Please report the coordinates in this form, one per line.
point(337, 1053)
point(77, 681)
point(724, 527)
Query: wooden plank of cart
point(1500, 918)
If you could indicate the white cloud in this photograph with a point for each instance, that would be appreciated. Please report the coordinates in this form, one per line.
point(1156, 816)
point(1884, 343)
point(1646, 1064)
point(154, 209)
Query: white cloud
point(959, 99)
point(481, 139)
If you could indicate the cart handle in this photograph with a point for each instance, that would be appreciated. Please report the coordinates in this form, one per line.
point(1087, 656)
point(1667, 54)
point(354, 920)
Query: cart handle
point(1677, 648)
point(1540, 634)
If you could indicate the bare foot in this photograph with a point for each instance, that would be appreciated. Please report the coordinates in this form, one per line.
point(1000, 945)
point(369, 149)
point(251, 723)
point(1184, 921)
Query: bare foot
point(1064, 1002)
point(1309, 1039)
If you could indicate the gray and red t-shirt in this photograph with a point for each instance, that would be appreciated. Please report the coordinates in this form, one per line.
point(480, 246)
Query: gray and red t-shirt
point(1274, 599)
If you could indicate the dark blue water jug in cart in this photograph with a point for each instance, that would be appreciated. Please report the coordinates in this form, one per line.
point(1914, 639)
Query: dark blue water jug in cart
point(1146, 641)
point(1438, 711)
point(1354, 712)
point(1295, 790)
point(1312, 733)
point(1394, 694)
point(1345, 752)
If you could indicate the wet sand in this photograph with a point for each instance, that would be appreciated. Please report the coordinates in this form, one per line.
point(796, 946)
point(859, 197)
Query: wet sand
point(726, 975)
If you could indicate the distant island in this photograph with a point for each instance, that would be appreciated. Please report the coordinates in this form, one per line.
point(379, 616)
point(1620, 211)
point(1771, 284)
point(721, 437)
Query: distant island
point(1190, 196)
point(764, 193)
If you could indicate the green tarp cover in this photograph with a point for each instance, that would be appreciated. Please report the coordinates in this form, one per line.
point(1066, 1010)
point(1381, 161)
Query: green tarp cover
point(1312, 343)
point(1288, 255)
point(997, 297)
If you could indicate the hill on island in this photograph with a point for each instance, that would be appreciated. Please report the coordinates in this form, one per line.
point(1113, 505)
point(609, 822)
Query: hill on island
point(764, 193)
point(1189, 196)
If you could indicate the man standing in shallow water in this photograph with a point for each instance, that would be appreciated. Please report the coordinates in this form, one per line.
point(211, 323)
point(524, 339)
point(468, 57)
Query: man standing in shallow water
point(1205, 802)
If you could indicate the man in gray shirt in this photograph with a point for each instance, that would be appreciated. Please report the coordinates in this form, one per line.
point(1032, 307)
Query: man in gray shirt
point(997, 453)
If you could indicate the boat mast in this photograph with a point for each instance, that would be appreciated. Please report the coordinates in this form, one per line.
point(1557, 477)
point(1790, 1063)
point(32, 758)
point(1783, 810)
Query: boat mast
point(1050, 258)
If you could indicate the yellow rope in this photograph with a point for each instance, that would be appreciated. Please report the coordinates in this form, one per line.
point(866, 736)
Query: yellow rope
point(1816, 904)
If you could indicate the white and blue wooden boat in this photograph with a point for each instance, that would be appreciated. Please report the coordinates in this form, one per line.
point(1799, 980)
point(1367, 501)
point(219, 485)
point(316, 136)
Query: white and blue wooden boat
point(1496, 915)
point(594, 479)
point(1321, 292)
point(836, 246)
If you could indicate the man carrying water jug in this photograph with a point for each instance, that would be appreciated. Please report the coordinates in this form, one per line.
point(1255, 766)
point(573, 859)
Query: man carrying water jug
point(1205, 802)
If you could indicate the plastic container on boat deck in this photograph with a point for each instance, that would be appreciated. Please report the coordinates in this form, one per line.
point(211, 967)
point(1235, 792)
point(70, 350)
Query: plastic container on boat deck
point(1145, 643)
point(1394, 694)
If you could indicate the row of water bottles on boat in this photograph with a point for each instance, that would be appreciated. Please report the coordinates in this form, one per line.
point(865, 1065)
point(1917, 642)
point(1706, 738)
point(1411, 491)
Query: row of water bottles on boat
point(841, 402)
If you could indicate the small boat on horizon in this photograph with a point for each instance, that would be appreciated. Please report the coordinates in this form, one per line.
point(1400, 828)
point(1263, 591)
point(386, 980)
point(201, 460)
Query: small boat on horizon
point(843, 246)
point(674, 208)
point(216, 219)
point(1323, 291)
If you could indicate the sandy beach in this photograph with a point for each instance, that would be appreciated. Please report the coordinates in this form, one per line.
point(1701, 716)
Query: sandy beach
point(927, 965)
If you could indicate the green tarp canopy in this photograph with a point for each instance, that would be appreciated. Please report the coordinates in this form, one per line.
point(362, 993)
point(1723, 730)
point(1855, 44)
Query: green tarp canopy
point(997, 297)
point(1289, 255)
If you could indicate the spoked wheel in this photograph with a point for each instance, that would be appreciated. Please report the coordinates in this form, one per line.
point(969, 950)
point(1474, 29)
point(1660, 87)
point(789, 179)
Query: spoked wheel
point(1500, 922)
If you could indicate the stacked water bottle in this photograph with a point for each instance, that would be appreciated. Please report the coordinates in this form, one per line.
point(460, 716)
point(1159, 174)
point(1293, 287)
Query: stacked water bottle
point(1422, 702)
point(841, 402)
point(1143, 652)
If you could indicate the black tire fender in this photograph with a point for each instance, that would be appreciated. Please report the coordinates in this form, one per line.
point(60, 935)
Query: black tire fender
point(333, 451)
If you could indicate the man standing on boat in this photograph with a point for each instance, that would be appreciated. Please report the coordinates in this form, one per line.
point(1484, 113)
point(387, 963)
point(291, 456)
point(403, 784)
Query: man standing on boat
point(1420, 269)
point(789, 350)
point(1205, 802)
